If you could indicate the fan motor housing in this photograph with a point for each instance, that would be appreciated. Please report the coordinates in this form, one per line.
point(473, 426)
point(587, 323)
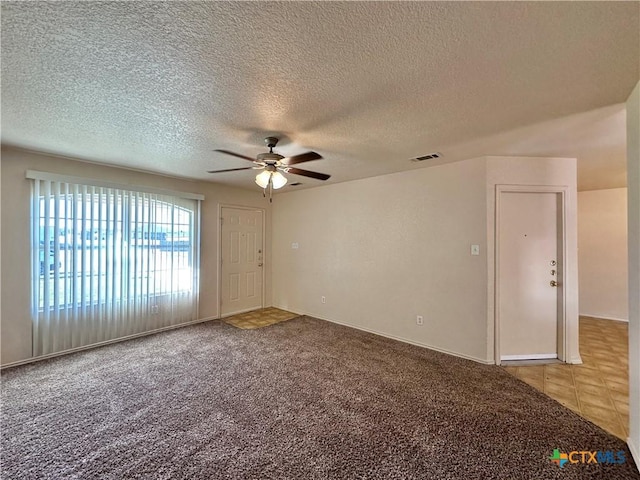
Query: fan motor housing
point(269, 157)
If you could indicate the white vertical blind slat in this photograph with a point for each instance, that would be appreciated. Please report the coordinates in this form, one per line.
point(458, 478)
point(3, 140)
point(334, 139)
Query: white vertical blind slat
point(171, 261)
point(108, 268)
point(35, 265)
point(92, 333)
point(100, 261)
point(139, 265)
point(76, 266)
point(147, 256)
point(195, 259)
point(66, 201)
point(44, 267)
point(132, 265)
point(55, 270)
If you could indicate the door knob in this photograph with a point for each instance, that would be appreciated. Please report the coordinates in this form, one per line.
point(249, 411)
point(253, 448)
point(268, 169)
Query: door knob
point(553, 283)
point(259, 264)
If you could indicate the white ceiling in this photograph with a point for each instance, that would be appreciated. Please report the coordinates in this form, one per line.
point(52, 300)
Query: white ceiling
point(159, 85)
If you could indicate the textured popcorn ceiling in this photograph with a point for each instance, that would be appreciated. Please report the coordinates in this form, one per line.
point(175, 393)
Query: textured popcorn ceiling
point(159, 85)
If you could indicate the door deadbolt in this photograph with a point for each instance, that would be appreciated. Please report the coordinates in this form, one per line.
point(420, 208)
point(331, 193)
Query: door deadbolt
point(553, 283)
point(553, 263)
point(553, 272)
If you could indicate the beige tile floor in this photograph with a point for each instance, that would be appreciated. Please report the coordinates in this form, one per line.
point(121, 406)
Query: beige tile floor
point(259, 318)
point(598, 389)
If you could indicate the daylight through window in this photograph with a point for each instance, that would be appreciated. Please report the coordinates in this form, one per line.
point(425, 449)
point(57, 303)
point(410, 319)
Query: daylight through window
point(109, 262)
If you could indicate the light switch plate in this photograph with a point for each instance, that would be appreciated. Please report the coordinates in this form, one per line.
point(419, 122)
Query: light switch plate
point(475, 249)
point(294, 245)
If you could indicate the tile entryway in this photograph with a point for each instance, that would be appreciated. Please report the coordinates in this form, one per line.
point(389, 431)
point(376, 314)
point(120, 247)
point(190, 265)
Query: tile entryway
point(259, 318)
point(598, 389)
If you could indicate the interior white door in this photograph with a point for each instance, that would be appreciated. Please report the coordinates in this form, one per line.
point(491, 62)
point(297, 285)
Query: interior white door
point(242, 254)
point(528, 264)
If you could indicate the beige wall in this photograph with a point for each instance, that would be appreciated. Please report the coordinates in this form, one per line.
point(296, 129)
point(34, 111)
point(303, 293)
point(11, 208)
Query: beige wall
point(633, 185)
point(537, 171)
point(602, 253)
point(385, 249)
point(15, 317)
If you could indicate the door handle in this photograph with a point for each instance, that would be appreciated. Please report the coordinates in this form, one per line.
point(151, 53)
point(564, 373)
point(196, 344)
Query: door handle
point(260, 264)
point(553, 283)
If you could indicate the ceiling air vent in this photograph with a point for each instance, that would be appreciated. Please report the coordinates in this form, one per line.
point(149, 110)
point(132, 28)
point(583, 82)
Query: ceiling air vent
point(430, 156)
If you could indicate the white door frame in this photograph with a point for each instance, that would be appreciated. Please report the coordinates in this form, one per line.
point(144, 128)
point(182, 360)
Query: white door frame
point(563, 191)
point(219, 286)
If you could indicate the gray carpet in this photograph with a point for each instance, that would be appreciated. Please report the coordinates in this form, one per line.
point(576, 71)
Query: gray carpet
point(304, 399)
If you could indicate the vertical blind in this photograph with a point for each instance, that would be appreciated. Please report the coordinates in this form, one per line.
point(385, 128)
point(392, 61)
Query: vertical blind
point(109, 262)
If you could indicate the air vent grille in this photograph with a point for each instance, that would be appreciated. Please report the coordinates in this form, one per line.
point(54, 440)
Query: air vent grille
point(295, 184)
point(429, 156)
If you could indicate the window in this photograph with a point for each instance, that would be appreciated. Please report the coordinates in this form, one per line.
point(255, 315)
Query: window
point(108, 262)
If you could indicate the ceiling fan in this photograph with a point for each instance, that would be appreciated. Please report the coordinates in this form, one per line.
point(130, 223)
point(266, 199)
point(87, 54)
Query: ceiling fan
point(273, 165)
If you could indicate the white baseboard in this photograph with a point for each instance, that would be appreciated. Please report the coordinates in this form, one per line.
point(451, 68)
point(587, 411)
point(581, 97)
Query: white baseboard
point(603, 317)
point(102, 344)
point(406, 340)
point(533, 356)
point(575, 360)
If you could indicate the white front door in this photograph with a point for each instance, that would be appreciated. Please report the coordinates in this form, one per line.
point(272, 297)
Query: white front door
point(529, 230)
point(242, 254)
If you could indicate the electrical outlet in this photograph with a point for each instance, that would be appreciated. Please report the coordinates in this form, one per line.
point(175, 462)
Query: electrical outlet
point(419, 320)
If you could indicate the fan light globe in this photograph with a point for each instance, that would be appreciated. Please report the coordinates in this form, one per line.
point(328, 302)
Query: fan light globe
point(262, 179)
point(278, 180)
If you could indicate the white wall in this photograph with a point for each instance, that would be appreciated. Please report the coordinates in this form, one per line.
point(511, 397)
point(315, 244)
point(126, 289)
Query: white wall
point(602, 253)
point(537, 171)
point(15, 276)
point(385, 249)
point(633, 185)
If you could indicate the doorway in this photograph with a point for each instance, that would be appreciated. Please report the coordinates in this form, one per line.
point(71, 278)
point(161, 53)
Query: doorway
point(530, 264)
point(241, 260)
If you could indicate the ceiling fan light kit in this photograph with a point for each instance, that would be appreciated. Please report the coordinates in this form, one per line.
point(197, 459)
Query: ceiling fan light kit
point(266, 177)
point(273, 165)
